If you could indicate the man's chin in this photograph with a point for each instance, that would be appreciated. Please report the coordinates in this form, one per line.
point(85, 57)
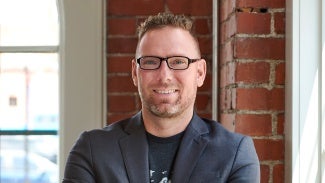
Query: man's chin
point(165, 111)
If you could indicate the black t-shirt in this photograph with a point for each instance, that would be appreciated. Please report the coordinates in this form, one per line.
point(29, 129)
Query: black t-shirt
point(162, 152)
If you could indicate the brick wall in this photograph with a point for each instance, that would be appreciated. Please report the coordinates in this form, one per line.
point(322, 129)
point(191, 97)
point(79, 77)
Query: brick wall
point(123, 16)
point(251, 67)
point(252, 53)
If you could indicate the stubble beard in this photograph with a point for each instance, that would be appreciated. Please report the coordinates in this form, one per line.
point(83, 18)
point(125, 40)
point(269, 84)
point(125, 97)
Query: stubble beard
point(165, 109)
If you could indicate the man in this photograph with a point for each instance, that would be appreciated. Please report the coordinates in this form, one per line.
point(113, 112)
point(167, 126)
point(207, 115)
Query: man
point(166, 141)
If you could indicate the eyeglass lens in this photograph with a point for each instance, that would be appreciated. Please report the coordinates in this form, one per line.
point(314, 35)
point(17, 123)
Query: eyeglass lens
point(177, 63)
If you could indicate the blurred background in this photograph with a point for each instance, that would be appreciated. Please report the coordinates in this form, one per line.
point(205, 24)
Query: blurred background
point(29, 91)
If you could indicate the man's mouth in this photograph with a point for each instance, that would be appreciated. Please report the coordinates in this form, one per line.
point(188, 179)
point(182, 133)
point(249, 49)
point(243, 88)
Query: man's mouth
point(165, 91)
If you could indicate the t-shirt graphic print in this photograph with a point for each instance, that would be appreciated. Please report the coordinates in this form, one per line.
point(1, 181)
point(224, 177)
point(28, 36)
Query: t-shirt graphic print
point(162, 152)
point(159, 177)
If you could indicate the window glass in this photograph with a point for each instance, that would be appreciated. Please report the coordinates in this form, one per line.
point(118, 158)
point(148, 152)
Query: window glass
point(34, 161)
point(29, 91)
point(28, 23)
point(29, 94)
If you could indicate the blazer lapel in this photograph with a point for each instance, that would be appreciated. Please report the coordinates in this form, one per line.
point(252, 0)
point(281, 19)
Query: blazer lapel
point(134, 150)
point(190, 150)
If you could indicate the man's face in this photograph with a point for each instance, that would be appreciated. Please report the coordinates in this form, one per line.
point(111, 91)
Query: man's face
point(165, 92)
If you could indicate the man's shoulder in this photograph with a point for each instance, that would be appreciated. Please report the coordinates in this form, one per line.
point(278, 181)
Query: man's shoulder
point(217, 131)
point(119, 127)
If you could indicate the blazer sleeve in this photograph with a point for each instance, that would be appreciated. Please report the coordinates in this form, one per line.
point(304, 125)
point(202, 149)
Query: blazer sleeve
point(246, 167)
point(78, 168)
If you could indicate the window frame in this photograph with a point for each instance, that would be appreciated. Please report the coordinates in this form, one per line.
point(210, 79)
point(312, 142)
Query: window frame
point(304, 156)
point(82, 71)
point(215, 21)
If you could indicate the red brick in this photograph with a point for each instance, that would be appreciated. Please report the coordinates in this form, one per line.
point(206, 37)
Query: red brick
point(120, 84)
point(208, 60)
point(261, 3)
point(228, 121)
point(260, 48)
point(207, 85)
point(119, 64)
point(190, 7)
point(228, 29)
point(121, 103)
point(227, 74)
point(121, 26)
point(226, 7)
point(253, 23)
point(226, 52)
point(253, 72)
point(265, 173)
point(280, 124)
point(203, 102)
point(269, 149)
point(259, 99)
point(225, 97)
point(121, 45)
point(203, 26)
point(233, 98)
point(206, 115)
point(134, 7)
point(280, 74)
point(253, 124)
point(223, 76)
point(114, 117)
point(205, 44)
point(279, 23)
point(278, 173)
point(124, 15)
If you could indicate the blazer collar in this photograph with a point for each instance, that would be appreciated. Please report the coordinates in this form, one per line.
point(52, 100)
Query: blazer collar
point(134, 149)
point(190, 150)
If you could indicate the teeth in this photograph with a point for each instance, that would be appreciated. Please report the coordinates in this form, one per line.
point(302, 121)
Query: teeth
point(165, 91)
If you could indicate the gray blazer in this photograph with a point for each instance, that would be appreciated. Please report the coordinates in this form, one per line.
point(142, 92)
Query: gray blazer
point(119, 154)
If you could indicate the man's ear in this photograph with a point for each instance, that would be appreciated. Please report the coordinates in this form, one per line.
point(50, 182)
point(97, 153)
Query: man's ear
point(134, 73)
point(201, 72)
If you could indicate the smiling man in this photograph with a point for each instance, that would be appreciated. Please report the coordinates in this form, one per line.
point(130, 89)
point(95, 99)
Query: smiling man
point(166, 141)
point(168, 70)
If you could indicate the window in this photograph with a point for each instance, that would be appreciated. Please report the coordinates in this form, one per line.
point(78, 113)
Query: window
point(304, 91)
point(79, 52)
point(29, 91)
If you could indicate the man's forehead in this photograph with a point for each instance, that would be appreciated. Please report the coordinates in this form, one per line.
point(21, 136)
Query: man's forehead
point(167, 37)
point(171, 30)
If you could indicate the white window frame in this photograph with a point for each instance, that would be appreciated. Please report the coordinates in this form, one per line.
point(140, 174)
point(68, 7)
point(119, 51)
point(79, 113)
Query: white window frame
point(322, 91)
point(82, 71)
point(304, 87)
point(214, 92)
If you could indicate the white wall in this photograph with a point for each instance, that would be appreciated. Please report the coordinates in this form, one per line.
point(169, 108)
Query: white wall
point(82, 70)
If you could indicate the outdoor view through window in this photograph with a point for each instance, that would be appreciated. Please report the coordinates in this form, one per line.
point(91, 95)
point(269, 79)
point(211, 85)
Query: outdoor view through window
point(29, 94)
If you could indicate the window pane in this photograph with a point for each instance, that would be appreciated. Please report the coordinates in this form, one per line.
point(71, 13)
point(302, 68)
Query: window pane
point(29, 91)
point(28, 158)
point(28, 23)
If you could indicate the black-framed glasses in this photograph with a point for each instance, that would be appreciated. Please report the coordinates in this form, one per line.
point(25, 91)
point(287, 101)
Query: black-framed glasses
point(174, 62)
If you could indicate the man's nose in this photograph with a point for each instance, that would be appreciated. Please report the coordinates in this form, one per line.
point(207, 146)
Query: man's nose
point(164, 70)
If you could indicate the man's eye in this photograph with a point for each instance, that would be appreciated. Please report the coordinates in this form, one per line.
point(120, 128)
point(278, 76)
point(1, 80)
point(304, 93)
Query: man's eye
point(178, 62)
point(149, 62)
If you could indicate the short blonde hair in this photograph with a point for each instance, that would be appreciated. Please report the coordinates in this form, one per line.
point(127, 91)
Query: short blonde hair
point(167, 19)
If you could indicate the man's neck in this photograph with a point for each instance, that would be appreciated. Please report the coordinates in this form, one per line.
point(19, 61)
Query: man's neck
point(166, 127)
